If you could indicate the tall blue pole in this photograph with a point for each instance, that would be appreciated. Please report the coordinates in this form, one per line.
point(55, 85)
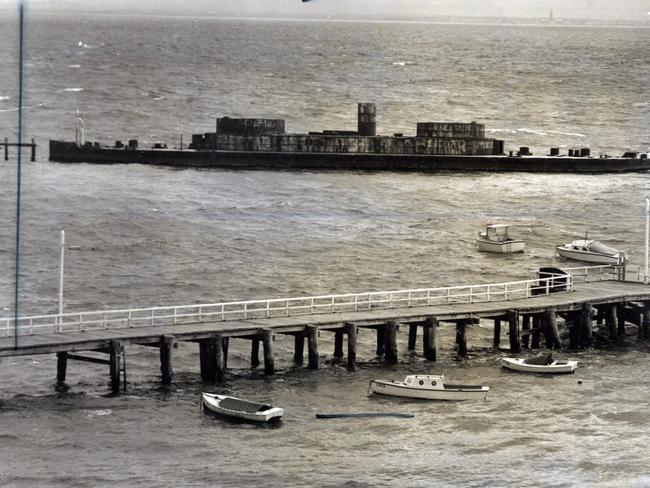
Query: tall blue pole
point(18, 170)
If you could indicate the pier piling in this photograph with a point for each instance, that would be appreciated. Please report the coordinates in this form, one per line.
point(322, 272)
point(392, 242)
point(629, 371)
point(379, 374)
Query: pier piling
point(535, 332)
point(610, 321)
point(553, 334)
point(255, 352)
point(586, 326)
point(167, 345)
point(513, 329)
point(61, 367)
point(338, 344)
point(207, 359)
point(429, 338)
point(219, 359)
point(461, 340)
point(391, 343)
point(413, 336)
point(620, 316)
point(381, 340)
point(312, 346)
point(525, 336)
point(299, 347)
point(497, 333)
point(269, 360)
point(116, 352)
point(351, 330)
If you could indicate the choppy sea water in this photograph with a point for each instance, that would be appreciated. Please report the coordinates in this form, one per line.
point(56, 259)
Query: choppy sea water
point(158, 236)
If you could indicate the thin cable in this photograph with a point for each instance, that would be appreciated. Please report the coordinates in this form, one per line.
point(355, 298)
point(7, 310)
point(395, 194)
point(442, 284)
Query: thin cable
point(20, 140)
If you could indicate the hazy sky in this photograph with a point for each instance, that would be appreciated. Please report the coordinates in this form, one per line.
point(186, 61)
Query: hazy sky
point(588, 9)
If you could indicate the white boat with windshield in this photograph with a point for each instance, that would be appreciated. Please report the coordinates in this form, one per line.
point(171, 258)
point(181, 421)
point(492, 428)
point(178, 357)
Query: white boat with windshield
point(496, 238)
point(591, 251)
point(543, 363)
point(428, 387)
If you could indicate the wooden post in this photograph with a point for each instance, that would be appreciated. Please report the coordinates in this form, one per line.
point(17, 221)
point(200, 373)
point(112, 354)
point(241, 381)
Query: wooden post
point(610, 320)
point(338, 344)
point(33, 150)
point(646, 322)
point(497, 333)
point(219, 360)
point(166, 358)
point(413, 336)
point(6, 149)
point(460, 338)
point(224, 347)
point(513, 328)
point(573, 324)
point(115, 352)
point(269, 361)
point(381, 340)
point(429, 338)
point(525, 336)
point(255, 352)
point(207, 358)
point(61, 367)
point(537, 326)
point(599, 315)
point(553, 334)
point(586, 327)
point(620, 315)
point(299, 347)
point(391, 343)
point(312, 346)
point(351, 330)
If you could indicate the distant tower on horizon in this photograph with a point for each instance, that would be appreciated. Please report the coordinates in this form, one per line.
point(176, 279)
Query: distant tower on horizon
point(550, 16)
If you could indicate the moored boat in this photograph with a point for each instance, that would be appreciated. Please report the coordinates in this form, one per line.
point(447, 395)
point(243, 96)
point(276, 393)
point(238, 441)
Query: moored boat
point(241, 409)
point(428, 387)
point(543, 363)
point(592, 252)
point(496, 238)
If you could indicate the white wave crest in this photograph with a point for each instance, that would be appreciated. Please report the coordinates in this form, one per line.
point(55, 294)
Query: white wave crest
point(73, 89)
point(3, 98)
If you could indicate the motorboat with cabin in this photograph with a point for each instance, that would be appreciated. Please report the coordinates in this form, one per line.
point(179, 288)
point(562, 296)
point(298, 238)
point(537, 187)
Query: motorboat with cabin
point(428, 387)
point(543, 363)
point(496, 238)
point(591, 251)
point(240, 409)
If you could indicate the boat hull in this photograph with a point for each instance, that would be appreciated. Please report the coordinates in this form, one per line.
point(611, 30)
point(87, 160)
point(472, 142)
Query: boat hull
point(213, 403)
point(505, 247)
point(556, 367)
point(589, 257)
point(400, 390)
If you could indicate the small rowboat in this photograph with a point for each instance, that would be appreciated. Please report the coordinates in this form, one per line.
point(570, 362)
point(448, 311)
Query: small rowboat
point(428, 387)
point(544, 363)
point(241, 409)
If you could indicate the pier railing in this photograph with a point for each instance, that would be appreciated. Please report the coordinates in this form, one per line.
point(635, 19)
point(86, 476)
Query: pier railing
point(284, 307)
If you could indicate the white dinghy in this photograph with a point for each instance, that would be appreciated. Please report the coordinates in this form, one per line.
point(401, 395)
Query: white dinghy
point(591, 251)
point(496, 238)
point(241, 409)
point(543, 363)
point(428, 387)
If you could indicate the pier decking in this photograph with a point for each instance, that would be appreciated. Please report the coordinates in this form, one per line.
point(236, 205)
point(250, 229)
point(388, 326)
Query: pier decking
point(527, 315)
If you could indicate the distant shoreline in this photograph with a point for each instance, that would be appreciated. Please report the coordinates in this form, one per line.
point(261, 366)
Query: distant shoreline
point(438, 20)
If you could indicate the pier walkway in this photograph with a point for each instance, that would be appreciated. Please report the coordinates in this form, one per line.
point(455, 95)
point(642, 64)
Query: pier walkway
point(530, 309)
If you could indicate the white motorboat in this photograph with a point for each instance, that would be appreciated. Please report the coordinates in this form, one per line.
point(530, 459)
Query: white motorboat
point(592, 252)
point(428, 387)
point(544, 363)
point(241, 409)
point(496, 238)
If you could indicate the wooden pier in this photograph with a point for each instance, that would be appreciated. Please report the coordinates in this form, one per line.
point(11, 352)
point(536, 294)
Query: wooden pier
point(8, 144)
point(531, 320)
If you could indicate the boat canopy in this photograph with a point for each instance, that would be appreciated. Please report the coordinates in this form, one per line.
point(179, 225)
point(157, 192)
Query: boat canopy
point(602, 248)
